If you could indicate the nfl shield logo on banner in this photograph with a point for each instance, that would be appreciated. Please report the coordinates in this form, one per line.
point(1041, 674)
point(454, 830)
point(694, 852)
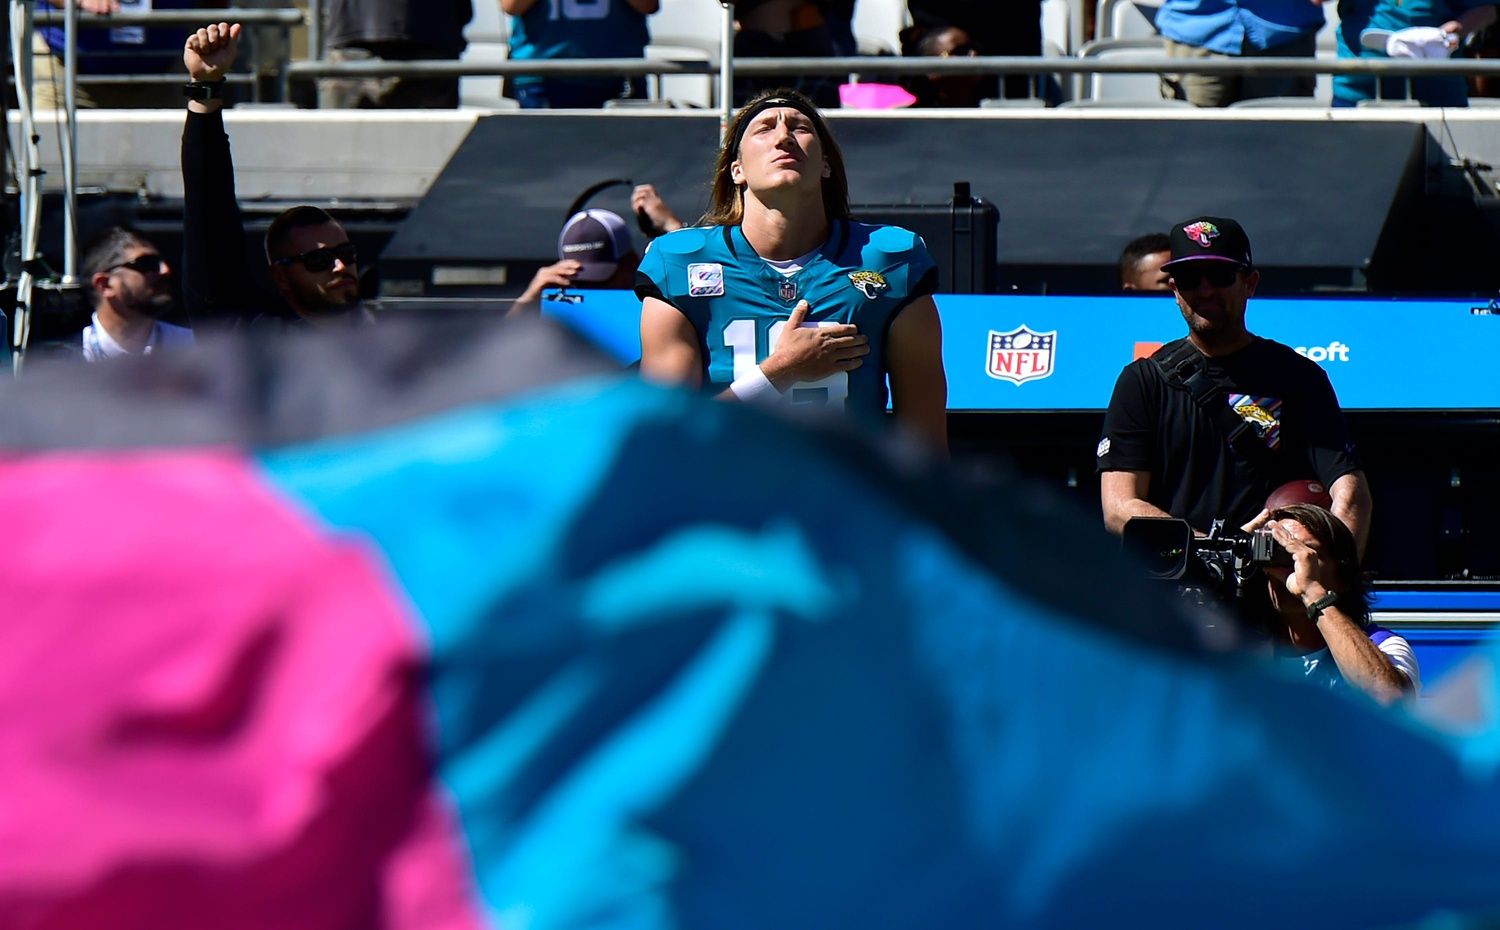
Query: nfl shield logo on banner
point(788, 290)
point(1021, 355)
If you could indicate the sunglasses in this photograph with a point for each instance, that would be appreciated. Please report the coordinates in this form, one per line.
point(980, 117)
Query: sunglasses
point(150, 263)
point(323, 259)
point(1188, 279)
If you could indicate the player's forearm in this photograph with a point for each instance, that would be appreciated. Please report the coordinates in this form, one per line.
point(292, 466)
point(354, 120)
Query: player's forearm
point(515, 7)
point(1360, 661)
point(1352, 504)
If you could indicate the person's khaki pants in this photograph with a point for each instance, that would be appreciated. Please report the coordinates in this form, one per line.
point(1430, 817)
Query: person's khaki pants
point(1220, 90)
point(48, 87)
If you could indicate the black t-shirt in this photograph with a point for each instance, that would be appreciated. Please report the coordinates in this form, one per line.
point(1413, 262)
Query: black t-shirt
point(999, 28)
point(1154, 427)
point(437, 25)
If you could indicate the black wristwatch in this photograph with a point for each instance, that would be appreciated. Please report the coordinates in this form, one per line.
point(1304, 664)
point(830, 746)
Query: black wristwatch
point(204, 90)
point(1316, 608)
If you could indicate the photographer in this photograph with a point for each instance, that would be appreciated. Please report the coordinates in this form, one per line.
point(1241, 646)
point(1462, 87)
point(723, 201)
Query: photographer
point(1206, 427)
point(1321, 618)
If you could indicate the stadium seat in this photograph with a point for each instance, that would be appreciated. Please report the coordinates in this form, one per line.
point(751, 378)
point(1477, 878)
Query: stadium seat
point(688, 30)
point(1130, 87)
point(488, 38)
point(1061, 26)
point(1019, 103)
point(689, 23)
point(1149, 103)
point(1126, 19)
point(692, 89)
point(1056, 87)
point(878, 24)
point(1328, 35)
point(1303, 103)
point(1328, 47)
point(645, 104)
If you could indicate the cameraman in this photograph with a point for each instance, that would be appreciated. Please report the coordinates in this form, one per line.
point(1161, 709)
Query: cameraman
point(1321, 618)
point(1210, 424)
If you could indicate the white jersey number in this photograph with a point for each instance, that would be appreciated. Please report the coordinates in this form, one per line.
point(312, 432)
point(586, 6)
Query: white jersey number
point(739, 336)
point(579, 9)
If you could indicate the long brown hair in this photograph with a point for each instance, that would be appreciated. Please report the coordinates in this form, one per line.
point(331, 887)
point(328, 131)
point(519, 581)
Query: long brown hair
point(1338, 547)
point(727, 203)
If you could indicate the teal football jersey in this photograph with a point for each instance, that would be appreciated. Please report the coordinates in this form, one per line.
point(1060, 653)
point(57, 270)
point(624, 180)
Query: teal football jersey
point(577, 29)
point(739, 304)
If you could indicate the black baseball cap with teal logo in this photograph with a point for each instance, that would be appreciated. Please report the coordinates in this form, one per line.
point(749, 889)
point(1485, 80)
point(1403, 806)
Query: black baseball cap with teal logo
point(1209, 238)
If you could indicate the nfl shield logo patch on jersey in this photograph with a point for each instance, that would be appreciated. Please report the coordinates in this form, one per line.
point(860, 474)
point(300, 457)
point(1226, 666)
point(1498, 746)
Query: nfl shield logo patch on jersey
point(1021, 355)
point(706, 280)
point(788, 290)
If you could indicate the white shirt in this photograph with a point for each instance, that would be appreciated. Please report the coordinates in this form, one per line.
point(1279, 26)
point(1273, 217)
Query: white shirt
point(98, 343)
point(791, 266)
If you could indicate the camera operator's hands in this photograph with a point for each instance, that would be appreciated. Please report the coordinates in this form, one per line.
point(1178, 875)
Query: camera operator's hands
point(1260, 520)
point(1305, 579)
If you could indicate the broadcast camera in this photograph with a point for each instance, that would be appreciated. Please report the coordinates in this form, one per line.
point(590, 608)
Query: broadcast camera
point(1217, 567)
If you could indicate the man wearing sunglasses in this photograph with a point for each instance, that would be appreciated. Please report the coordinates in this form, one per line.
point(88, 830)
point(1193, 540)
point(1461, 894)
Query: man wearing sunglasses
point(1212, 423)
point(311, 261)
point(132, 286)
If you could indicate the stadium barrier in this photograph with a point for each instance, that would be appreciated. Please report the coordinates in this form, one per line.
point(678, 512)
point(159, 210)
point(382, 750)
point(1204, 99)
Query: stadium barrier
point(282, 19)
point(864, 67)
point(891, 66)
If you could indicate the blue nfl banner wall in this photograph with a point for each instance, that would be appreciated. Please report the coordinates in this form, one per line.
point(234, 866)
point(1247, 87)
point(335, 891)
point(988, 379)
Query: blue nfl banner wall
point(1063, 353)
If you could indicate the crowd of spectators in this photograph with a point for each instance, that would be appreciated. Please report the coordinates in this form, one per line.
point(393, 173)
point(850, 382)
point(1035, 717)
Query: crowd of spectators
point(537, 30)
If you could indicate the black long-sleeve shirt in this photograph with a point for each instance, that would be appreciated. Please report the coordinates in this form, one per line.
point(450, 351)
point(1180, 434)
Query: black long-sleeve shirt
point(218, 287)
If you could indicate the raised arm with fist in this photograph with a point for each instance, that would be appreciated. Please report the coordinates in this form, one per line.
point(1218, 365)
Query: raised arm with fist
point(210, 52)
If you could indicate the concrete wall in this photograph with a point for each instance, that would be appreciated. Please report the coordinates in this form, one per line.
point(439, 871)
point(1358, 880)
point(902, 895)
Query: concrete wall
point(286, 154)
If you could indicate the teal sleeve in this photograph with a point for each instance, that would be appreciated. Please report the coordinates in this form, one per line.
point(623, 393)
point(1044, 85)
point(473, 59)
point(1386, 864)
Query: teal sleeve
point(651, 275)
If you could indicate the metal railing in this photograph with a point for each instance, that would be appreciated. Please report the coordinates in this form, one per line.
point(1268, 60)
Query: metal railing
point(254, 16)
point(866, 67)
point(284, 19)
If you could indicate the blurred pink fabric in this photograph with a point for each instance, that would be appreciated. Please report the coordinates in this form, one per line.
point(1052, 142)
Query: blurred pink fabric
point(209, 712)
point(874, 97)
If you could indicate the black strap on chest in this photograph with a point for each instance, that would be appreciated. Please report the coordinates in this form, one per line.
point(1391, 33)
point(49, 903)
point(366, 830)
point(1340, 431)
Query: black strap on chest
point(1184, 368)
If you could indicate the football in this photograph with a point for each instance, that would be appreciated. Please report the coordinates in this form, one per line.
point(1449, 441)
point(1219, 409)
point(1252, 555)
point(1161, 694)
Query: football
point(1301, 491)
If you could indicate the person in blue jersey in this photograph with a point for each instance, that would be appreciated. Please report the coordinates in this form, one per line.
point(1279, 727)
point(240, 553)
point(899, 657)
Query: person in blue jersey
point(545, 29)
point(122, 50)
point(779, 295)
point(1406, 29)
